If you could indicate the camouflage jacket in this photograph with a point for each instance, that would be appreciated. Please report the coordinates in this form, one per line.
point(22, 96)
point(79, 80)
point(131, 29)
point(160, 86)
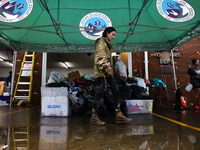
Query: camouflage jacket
point(102, 56)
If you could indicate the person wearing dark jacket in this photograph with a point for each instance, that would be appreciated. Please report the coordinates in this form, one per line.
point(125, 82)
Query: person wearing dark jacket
point(103, 72)
point(194, 74)
point(8, 79)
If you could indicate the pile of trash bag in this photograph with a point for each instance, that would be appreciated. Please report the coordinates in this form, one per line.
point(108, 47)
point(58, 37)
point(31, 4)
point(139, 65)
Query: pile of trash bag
point(82, 92)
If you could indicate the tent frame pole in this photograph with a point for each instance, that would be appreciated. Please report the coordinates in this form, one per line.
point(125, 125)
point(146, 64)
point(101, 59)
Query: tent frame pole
point(44, 69)
point(146, 68)
point(55, 24)
point(13, 76)
point(130, 32)
point(174, 70)
point(130, 68)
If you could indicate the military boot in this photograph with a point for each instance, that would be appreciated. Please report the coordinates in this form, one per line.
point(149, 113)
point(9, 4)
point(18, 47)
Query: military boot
point(97, 129)
point(120, 118)
point(95, 120)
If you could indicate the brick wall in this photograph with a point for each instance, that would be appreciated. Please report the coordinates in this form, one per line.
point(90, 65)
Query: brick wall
point(187, 51)
point(37, 72)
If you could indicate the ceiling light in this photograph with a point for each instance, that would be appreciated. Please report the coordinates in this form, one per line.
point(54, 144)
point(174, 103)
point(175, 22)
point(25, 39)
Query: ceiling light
point(1, 59)
point(113, 54)
point(10, 63)
point(66, 66)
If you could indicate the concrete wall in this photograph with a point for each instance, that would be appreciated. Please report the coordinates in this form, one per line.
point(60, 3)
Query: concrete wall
point(4, 72)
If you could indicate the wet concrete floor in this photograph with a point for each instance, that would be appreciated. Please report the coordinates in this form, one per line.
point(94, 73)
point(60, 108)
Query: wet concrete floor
point(23, 128)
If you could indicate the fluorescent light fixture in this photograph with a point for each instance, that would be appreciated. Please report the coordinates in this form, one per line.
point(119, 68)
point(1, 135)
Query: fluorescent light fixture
point(5, 146)
point(113, 54)
point(66, 66)
point(10, 63)
point(1, 59)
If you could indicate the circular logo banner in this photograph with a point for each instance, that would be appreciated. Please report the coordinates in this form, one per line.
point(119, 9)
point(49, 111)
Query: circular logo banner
point(175, 10)
point(15, 10)
point(91, 23)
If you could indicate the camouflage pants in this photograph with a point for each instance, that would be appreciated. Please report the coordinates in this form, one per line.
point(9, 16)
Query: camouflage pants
point(100, 92)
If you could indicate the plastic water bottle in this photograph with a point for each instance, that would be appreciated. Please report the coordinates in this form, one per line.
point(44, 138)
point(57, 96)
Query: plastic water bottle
point(8, 88)
point(189, 87)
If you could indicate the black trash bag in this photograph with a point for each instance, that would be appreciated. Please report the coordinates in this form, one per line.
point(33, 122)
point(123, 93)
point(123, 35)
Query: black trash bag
point(108, 100)
point(139, 93)
point(93, 88)
point(15, 102)
point(77, 106)
point(125, 92)
point(80, 94)
point(8, 101)
point(131, 80)
point(82, 78)
point(60, 84)
point(86, 110)
point(103, 110)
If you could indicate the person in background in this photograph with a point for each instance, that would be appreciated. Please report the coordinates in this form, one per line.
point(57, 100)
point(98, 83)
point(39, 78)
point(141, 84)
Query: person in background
point(194, 79)
point(103, 72)
point(8, 79)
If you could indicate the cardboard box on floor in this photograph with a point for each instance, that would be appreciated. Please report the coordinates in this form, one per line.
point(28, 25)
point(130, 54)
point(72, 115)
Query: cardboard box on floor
point(74, 75)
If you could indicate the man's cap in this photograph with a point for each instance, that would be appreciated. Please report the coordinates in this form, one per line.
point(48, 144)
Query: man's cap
point(10, 71)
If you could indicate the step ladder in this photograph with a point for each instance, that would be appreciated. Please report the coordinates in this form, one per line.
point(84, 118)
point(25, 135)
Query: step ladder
point(21, 137)
point(23, 87)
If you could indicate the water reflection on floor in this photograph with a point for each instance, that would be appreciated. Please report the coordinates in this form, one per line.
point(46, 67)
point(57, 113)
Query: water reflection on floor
point(89, 137)
point(26, 129)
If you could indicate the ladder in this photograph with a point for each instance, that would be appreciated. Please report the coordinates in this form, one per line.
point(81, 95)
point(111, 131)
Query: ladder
point(23, 87)
point(21, 137)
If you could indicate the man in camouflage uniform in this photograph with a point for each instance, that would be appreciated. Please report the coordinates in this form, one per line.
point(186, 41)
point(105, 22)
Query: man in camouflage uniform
point(103, 72)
